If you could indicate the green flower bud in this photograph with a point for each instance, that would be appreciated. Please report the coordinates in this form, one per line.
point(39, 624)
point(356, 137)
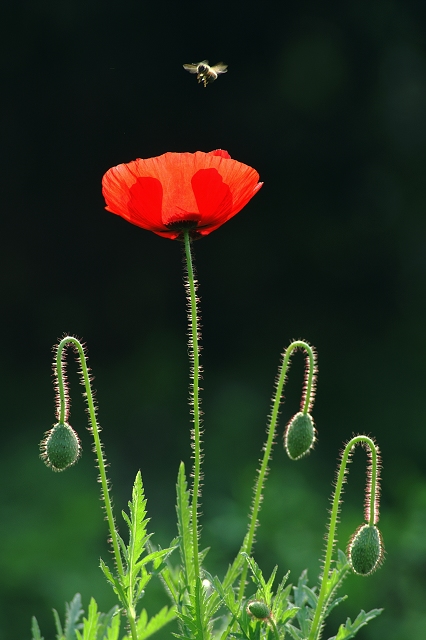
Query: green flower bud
point(258, 610)
point(61, 447)
point(365, 550)
point(299, 435)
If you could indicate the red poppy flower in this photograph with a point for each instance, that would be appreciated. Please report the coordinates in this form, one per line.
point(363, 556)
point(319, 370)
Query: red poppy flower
point(176, 191)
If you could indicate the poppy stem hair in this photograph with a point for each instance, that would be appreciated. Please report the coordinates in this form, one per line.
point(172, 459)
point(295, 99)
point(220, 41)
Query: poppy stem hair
point(372, 495)
point(307, 401)
point(194, 351)
point(62, 414)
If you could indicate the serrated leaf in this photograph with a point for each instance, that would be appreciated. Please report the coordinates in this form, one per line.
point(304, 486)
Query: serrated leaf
point(334, 604)
point(281, 599)
point(213, 599)
point(296, 634)
point(73, 613)
point(137, 527)
point(196, 623)
point(199, 608)
point(338, 574)
point(304, 618)
point(106, 621)
point(184, 523)
point(90, 624)
point(271, 579)
point(350, 629)
point(146, 628)
point(236, 567)
point(342, 560)
point(258, 579)
point(124, 551)
point(299, 592)
point(157, 564)
point(115, 583)
point(35, 630)
point(155, 556)
point(114, 629)
point(170, 582)
point(311, 596)
point(288, 614)
point(58, 626)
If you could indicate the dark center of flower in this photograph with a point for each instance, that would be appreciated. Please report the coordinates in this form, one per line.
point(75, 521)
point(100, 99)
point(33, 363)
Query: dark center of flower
point(184, 225)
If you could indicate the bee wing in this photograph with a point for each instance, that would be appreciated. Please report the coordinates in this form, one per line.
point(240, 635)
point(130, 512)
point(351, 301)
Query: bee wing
point(220, 68)
point(192, 68)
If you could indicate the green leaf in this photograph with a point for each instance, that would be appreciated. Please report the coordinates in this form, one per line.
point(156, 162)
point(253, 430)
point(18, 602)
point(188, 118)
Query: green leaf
point(333, 604)
point(90, 624)
point(170, 577)
point(195, 621)
point(350, 629)
point(296, 634)
point(109, 624)
point(281, 600)
point(288, 614)
point(115, 583)
point(304, 618)
point(137, 527)
point(114, 629)
point(59, 632)
point(264, 589)
point(146, 628)
point(156, 557)
point(184, 522)
point(236, 567)
point(311, 596)
point(300, 596)
point(73, 613)
point(35, 630)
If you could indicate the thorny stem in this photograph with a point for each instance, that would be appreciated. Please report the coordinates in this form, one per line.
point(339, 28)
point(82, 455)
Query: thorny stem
point(191, 287)
point(62, 413)
point(307, 402)
point(372, 518)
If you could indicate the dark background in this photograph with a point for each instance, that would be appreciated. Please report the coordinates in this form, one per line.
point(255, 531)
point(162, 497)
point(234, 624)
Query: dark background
point(327, 100)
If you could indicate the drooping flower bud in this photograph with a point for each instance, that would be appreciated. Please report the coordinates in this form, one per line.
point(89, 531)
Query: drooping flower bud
point(61, 447)
point(258, 610)
point(365, 549)
point(299, 435)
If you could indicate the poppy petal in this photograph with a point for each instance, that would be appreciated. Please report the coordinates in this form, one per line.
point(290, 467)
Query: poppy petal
point(145, 203)
point(213, 197)
point(205, 189)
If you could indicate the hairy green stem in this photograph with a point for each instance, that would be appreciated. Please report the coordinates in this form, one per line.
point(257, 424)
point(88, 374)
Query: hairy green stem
point(316, 623)
point(63, 410)
point(194, 391)
point(307, 400)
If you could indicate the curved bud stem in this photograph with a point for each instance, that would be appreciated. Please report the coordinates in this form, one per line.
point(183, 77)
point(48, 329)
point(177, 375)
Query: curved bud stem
point(307, 401)
point(371, 514)
point(63, 411)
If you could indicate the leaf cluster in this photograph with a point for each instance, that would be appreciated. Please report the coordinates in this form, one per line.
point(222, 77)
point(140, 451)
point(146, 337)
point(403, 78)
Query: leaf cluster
point(206, 607)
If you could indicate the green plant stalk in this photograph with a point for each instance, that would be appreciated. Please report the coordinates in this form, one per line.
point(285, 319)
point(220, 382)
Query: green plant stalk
point(274, 628)
point(98, 449)
point(194, 346)
point(270, 442)
point(316, 623)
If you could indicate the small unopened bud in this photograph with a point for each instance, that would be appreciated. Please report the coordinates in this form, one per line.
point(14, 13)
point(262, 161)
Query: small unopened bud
point(365, 550)
point(258, 610)
point(299, 435)
point(61, 447)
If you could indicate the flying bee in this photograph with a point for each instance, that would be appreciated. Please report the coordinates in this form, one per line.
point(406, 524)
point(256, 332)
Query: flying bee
point(205, 73)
